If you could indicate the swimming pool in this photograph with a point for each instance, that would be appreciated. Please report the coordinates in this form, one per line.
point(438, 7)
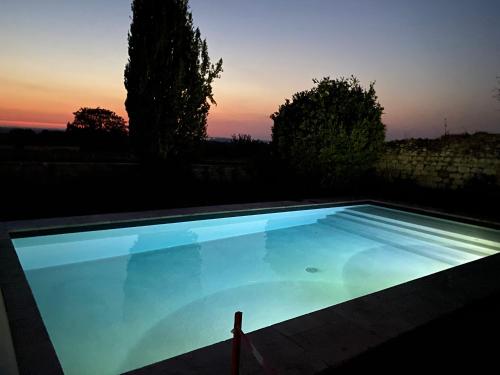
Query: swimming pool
point(118, 299)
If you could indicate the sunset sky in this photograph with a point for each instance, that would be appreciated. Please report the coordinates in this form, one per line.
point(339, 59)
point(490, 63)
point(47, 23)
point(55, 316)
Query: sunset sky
point(430, 59)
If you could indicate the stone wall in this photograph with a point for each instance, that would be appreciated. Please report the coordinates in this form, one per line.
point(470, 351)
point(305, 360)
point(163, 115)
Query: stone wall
point(450, 162)
point(18, 173)
point(222, 172)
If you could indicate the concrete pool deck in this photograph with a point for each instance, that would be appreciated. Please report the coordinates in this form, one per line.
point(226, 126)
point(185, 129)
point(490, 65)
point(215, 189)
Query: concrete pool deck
point(313, 343)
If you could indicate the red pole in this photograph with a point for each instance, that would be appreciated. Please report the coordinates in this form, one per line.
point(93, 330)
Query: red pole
point(235, 359)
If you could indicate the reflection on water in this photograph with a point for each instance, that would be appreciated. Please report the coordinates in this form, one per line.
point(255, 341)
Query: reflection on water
point(119, 313)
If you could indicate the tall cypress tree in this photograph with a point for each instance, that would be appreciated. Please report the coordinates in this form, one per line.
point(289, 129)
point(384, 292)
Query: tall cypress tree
point(168, 79)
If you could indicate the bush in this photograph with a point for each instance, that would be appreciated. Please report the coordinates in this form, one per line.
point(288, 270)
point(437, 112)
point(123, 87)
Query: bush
point(331, 134)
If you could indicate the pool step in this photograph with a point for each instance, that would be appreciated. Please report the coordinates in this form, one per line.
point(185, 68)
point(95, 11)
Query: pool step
point(430, 248)
point(426, 229)
point(427, 236)
point(394, 241)
point(473, 231)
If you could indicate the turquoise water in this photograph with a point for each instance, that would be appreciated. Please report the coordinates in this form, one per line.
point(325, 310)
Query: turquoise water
point(115, 300)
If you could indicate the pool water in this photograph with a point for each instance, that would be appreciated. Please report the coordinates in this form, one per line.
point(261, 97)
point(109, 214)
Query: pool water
point(119, 299)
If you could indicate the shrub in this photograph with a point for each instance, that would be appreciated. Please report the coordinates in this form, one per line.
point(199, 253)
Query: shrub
point(331, 134)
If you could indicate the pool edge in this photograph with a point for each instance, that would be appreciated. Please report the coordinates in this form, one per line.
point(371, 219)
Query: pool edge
point(328, 338)
point(31, 339)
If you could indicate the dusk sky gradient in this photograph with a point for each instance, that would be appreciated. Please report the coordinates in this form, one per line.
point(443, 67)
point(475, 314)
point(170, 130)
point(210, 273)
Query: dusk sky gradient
point(430, 59)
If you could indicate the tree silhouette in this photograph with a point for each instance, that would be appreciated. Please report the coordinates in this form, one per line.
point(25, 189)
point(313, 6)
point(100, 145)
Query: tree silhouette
point(98, 129)
point(97, 121)
point(168, 79)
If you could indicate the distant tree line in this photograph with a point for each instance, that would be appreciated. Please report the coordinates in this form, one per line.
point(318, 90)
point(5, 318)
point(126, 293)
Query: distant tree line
point(241, 147)
point(91, 128)
point(20, 137)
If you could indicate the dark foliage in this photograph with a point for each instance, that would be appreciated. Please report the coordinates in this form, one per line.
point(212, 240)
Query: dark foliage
point(97, 121)
point(52, 138)
point(240, 149)
point(168, 79)
point(331, 134)
point(243, 139)
point(20, 137)
point(243, 145)
point(97, 129)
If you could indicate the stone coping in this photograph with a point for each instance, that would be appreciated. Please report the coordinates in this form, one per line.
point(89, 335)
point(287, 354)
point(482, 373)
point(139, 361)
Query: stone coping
point(307, 344)
point(8, 363)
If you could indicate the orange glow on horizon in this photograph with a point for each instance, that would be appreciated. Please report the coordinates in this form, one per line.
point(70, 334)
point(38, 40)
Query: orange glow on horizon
point(271, 50)
point(31, 124)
